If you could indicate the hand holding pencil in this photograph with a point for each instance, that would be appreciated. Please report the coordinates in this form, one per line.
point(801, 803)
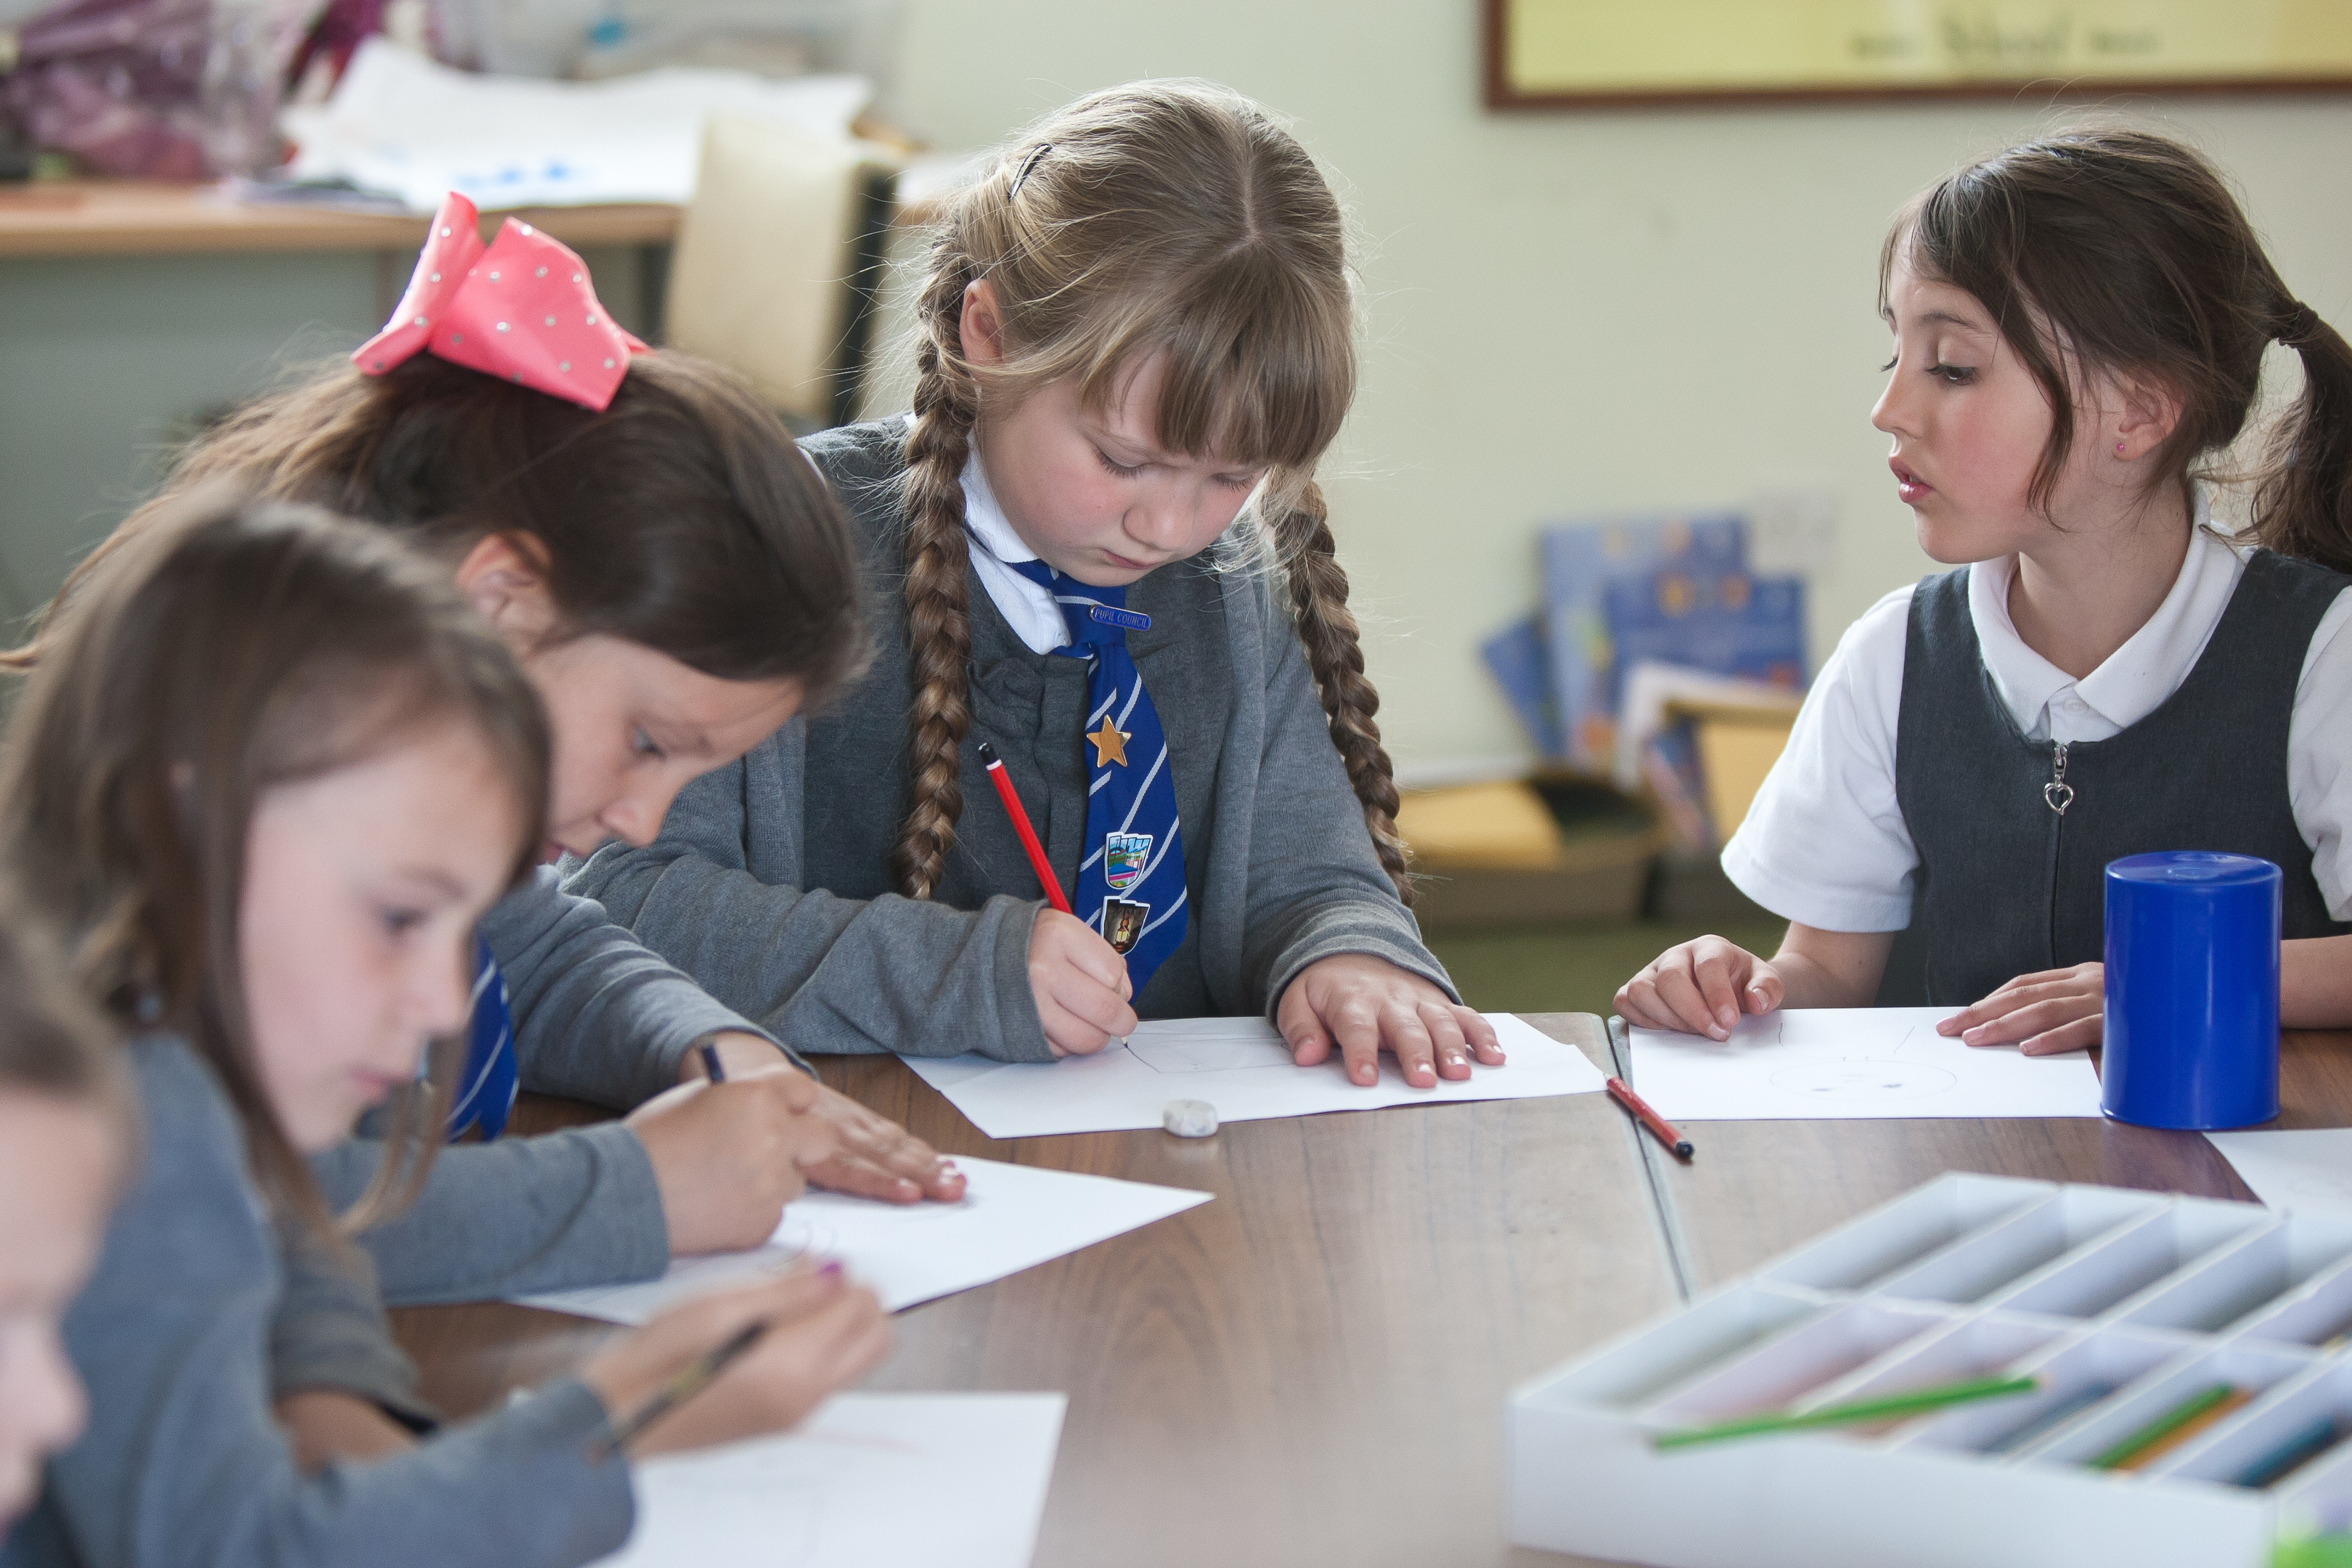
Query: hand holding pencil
point(697, 1376)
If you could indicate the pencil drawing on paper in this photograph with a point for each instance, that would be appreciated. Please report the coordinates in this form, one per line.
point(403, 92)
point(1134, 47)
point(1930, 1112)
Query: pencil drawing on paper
point(1209, 1044)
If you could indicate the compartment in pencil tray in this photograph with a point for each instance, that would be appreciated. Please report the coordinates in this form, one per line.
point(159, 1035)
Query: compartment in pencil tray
point(1780, 1372)
point(2316, 1313)
point(1960, 1351)
point(2120, 1265)
point(2078, 1374)
point(2174, 1411)
point(2296, 1438)
point(1652, 1359)
point(2235, 1281)
point(2020, 1246)
point(1896, 1235)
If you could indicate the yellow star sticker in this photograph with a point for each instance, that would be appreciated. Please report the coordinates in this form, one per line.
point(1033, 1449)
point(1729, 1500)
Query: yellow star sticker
point(1109, 743)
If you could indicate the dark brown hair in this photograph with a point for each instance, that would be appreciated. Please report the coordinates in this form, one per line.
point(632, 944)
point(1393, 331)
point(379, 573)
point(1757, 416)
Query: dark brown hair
point(682, 517)
point(226, 647)
point(2120, 251)
point(1160, 218)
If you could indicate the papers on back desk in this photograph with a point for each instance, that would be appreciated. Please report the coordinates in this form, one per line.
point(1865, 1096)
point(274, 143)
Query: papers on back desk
point(1839, 1062)
point(1238, 1065)
point(871, 1480)
point(1011, 1218)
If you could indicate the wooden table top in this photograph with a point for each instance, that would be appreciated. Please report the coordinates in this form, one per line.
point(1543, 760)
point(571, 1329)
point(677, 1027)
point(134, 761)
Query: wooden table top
point(1310, 1369)
point(149, 218)
point(1755, 1189)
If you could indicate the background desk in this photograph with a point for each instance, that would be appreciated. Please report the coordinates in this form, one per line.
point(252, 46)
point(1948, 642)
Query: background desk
point(129, 311)
point(1309, 1370)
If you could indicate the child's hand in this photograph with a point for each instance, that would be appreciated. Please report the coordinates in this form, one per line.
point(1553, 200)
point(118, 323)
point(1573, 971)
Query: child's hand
point(877, 1158)
point(729, 1156)
point(1700, 988)
point(1369, 1005)
point(2050, 1011)
point(824, 1335)
point(1081, 986)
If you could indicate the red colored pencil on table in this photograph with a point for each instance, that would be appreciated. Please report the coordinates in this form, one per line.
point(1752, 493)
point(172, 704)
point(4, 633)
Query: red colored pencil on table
point(1623, 1093)
point(1037, 861)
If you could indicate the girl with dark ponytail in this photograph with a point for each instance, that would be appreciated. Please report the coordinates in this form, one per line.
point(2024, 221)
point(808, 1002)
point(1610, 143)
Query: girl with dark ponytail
point(2080, 328)
point(1103, 554)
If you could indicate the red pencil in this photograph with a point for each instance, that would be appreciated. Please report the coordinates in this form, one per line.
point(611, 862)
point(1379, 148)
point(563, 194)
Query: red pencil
point(1623, 1093)
point(1037, 861)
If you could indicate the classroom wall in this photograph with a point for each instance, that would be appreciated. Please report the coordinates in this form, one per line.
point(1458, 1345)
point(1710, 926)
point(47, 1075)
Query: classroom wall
point(1565, 313)
point(1572, 313)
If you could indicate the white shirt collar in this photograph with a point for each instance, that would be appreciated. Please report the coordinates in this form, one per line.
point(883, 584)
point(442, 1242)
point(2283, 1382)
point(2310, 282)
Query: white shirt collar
point(2050, 704)
point(1027, 606)
point(986, 518)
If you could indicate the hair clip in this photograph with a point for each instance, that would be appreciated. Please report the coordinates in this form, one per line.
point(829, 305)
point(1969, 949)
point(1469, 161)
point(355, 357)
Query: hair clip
point(1035, 153)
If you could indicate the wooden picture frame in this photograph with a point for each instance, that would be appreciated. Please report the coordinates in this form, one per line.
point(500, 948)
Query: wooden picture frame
point(1605, 53)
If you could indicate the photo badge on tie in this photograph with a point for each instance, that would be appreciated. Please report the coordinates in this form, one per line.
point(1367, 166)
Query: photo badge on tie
point(1125, 856)
point(1122, 923)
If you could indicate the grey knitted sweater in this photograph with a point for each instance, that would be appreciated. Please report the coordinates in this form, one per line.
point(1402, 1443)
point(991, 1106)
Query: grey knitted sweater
point(182, 1463)
point(769, 882)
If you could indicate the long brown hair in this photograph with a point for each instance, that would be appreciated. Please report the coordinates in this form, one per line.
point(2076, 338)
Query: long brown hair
point(229, 647)
point(2121, 251)
point(1160, 218)
point(682, 517)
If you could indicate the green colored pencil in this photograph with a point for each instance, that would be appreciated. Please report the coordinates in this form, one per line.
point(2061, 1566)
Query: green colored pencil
point(2163, 1426)
point(1888, 1408)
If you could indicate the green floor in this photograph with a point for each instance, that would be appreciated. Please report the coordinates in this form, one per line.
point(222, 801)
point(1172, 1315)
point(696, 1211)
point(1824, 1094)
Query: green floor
point(1573, 968)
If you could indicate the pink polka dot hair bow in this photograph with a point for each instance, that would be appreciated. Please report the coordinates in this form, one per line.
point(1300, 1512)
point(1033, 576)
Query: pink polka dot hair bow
point(520, 309)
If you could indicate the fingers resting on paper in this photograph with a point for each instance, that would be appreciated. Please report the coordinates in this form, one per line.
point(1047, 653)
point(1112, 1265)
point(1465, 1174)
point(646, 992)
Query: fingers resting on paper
point(2042, 1014)
point(879, 1159)
point(1701, 987)
point(1361, 1005)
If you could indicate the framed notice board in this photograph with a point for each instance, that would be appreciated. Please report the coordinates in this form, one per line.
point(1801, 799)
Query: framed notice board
point(1569, 53)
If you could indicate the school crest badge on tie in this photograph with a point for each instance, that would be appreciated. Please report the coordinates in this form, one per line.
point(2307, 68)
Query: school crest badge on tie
point(1125, 856)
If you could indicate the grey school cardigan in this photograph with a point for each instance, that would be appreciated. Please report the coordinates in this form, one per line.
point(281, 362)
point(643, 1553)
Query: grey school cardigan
point(182, 1462)
point(768, 884)
point(596, 1017)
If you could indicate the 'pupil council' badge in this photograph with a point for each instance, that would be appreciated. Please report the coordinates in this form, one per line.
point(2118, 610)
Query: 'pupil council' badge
point(1125, 856)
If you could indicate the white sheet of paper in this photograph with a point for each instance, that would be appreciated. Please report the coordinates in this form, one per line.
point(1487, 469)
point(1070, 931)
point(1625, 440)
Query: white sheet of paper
point(1011, 1218)
point(1829, 1063)
point(871, 1480)
point(1238, 1065)
point(2308, 1169)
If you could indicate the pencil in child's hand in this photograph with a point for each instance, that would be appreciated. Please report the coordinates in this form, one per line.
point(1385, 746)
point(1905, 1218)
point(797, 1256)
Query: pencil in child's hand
point(692, 1380)
point(1860, 1412)
point(1012, 808)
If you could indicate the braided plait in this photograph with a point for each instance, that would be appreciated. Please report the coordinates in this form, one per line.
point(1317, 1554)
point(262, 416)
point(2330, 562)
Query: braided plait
point(1318, 605)
point(939, 622)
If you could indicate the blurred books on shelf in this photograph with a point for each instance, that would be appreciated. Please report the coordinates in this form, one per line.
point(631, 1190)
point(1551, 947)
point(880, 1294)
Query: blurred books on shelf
point(1662, 662)
point(1554, 848)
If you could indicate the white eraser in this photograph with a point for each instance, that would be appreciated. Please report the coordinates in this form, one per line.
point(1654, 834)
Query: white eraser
point(1190, 1118)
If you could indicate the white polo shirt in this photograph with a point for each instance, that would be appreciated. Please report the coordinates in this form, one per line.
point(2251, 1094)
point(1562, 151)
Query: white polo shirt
point(1825, 843)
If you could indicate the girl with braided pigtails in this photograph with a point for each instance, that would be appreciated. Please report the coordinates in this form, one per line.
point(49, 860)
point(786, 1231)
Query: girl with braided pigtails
point(1095, 545)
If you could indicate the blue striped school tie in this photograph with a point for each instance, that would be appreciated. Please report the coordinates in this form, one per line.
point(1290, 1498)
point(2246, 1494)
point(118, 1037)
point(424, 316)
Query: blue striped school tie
point(1131, 882)
point(485, 1089)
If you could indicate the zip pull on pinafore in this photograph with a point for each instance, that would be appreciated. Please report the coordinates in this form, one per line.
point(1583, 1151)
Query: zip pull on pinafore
point(2058, 791)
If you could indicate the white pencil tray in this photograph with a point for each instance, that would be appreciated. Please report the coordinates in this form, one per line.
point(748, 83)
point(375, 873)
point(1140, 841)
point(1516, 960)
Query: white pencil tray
point(2136, 1298)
